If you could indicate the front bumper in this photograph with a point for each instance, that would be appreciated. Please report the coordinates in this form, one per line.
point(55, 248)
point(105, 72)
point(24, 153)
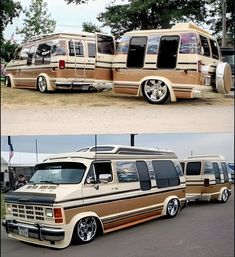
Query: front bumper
point(36, 231)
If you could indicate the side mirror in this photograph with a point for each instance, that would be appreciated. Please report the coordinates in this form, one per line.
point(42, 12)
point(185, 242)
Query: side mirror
point(105, 178)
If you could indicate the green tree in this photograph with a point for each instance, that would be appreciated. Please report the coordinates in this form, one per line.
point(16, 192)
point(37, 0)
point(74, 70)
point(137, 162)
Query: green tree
point(37, 20)
point(152, 14)
point(7, 50)
point(215, 20)
point(9, 10)
point(89, 27)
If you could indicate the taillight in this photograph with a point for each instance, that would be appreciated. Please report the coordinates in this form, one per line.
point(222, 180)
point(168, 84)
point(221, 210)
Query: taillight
point(58, 215)
point(199, 65)
point(206, 182)
point(61, 64)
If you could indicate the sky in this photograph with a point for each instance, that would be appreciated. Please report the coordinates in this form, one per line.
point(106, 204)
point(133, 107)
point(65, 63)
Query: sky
point(68, 17)
point(183, 144)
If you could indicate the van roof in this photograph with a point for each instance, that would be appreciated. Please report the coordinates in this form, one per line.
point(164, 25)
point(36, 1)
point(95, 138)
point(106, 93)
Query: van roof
point(207, 157)
point(114, 152)
point(179, 27)
point(62, 34)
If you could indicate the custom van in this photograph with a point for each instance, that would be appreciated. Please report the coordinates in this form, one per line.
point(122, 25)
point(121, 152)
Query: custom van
point(168, 64)
point(63, 61)
point(207, 178)
point(76, 196)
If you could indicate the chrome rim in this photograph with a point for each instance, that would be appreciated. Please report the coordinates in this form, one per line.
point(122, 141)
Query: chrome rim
point(155, 90)
point(87, 228)
point(225, 195)
point(172, 207)
point(42, 84)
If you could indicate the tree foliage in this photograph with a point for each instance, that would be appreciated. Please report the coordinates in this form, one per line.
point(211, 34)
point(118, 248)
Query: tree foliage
point(89, 27)
point(7, 49)
point(9, 10)
point(152, 14)
point(37, 20)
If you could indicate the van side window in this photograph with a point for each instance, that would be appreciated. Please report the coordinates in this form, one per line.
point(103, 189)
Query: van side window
point(165, 173)
point(76, 48)
point(105, 44)
point(225, 171)
point(91, 50)
point(123, 45)
point(144, 178)
point(205, 46)
point(136, 54)
point(193, 168)
point(214, 49)
point(182, 166)
point(216, 172)
point(43, 53)
point(58, 48)
point(178, 168)
point(24, 53)
point(188, 44)
point(126, 172)
point(153, 44)
point(103, 168)
point(208, 168)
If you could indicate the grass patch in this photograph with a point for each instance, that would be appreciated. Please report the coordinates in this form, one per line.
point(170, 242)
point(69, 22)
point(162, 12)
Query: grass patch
point(2, 206)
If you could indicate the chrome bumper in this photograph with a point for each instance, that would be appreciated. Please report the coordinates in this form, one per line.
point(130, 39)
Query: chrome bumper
point(36, 231)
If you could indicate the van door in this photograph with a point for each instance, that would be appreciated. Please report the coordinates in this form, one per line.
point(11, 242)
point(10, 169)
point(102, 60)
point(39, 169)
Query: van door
point(168, 51)
point(104, 57)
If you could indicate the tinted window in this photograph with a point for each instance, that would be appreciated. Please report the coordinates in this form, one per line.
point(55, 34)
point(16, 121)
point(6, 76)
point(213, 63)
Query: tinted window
point(76, 48)
point(216, 172)
point(103, 168)
point(182, 166)
point(208, 168)
point(214, 49)
point(143, 173)
point(91, 50)
point(126, 172)
point(165, 173)
point(58, 47)
point(193, 168)
point(105, 44)
point(43, 53)
point(225, 171)
point(136, 52)
point(205, 46)
point(123, 45)
point(188, 44)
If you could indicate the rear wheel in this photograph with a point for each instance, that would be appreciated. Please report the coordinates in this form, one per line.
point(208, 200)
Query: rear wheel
point(225, 196)
point(42, 84)
point(155, 91)
point(85, 230)
point(172, 208)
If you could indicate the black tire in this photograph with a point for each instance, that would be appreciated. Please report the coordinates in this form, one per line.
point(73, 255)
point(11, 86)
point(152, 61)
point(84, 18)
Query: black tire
point(85, 230)
point(7, 81)
point(225, 196)
point(156, 91)
point(172, 208)
point(42, 84)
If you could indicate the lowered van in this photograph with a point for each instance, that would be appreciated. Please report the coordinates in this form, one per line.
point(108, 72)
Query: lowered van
point(76, 196)
point(63, 61)
point(168, 64)
point(207, 178)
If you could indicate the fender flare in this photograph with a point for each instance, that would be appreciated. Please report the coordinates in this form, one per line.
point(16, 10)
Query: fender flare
point(79, 216)
point(165, 80)
point(11, 80)
point(164, 210)
point(49, 87)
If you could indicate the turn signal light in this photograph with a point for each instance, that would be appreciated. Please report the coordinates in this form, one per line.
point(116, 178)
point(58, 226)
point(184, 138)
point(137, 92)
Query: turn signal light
point(62, 64)
point(58, 215)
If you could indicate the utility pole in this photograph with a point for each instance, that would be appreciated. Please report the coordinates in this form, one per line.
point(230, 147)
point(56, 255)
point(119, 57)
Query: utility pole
point(224, 10)
point(133, 139)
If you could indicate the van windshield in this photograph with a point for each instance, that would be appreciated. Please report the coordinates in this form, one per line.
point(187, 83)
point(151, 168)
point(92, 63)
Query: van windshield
point(58, 173)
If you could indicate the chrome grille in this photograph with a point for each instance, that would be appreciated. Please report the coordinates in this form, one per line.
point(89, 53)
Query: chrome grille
point(27, 211)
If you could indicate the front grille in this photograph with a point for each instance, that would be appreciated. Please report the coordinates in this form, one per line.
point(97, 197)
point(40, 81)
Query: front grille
point(29, 212)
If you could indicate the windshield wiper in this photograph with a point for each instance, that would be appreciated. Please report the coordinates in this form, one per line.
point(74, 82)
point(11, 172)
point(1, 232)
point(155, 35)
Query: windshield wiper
point(48, 182)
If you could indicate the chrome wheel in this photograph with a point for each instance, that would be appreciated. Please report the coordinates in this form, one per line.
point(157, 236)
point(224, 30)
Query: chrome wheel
point(42, 84)
point(86, 229)
point(225, 196)
point(172, 208)
point(155, 91)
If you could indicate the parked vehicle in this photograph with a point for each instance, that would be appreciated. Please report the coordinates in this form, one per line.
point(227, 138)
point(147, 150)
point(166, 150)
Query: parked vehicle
point(75, 196)
point(207, 178)
point(63, 61)
point(168, 64)
point(231, 166)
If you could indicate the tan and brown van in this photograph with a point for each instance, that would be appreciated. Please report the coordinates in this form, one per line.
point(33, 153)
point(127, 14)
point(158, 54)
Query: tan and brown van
point(63, 61)
point(207, 178)
point(76, 196)
point(168, 64)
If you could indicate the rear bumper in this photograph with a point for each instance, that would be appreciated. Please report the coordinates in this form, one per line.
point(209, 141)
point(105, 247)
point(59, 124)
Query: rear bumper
point(35, 231)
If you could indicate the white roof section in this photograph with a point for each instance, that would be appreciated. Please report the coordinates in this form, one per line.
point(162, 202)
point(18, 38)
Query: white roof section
point(207, 157)
point(22, 159)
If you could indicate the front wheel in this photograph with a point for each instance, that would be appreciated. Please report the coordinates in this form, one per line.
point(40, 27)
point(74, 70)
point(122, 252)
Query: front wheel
point(172, 208)
point(155, 91)
point(225, 196)
point(42, 84)
point(85, 230)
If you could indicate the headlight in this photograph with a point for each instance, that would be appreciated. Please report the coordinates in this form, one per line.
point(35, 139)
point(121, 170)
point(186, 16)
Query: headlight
point(49, 212)
point(8, 208)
